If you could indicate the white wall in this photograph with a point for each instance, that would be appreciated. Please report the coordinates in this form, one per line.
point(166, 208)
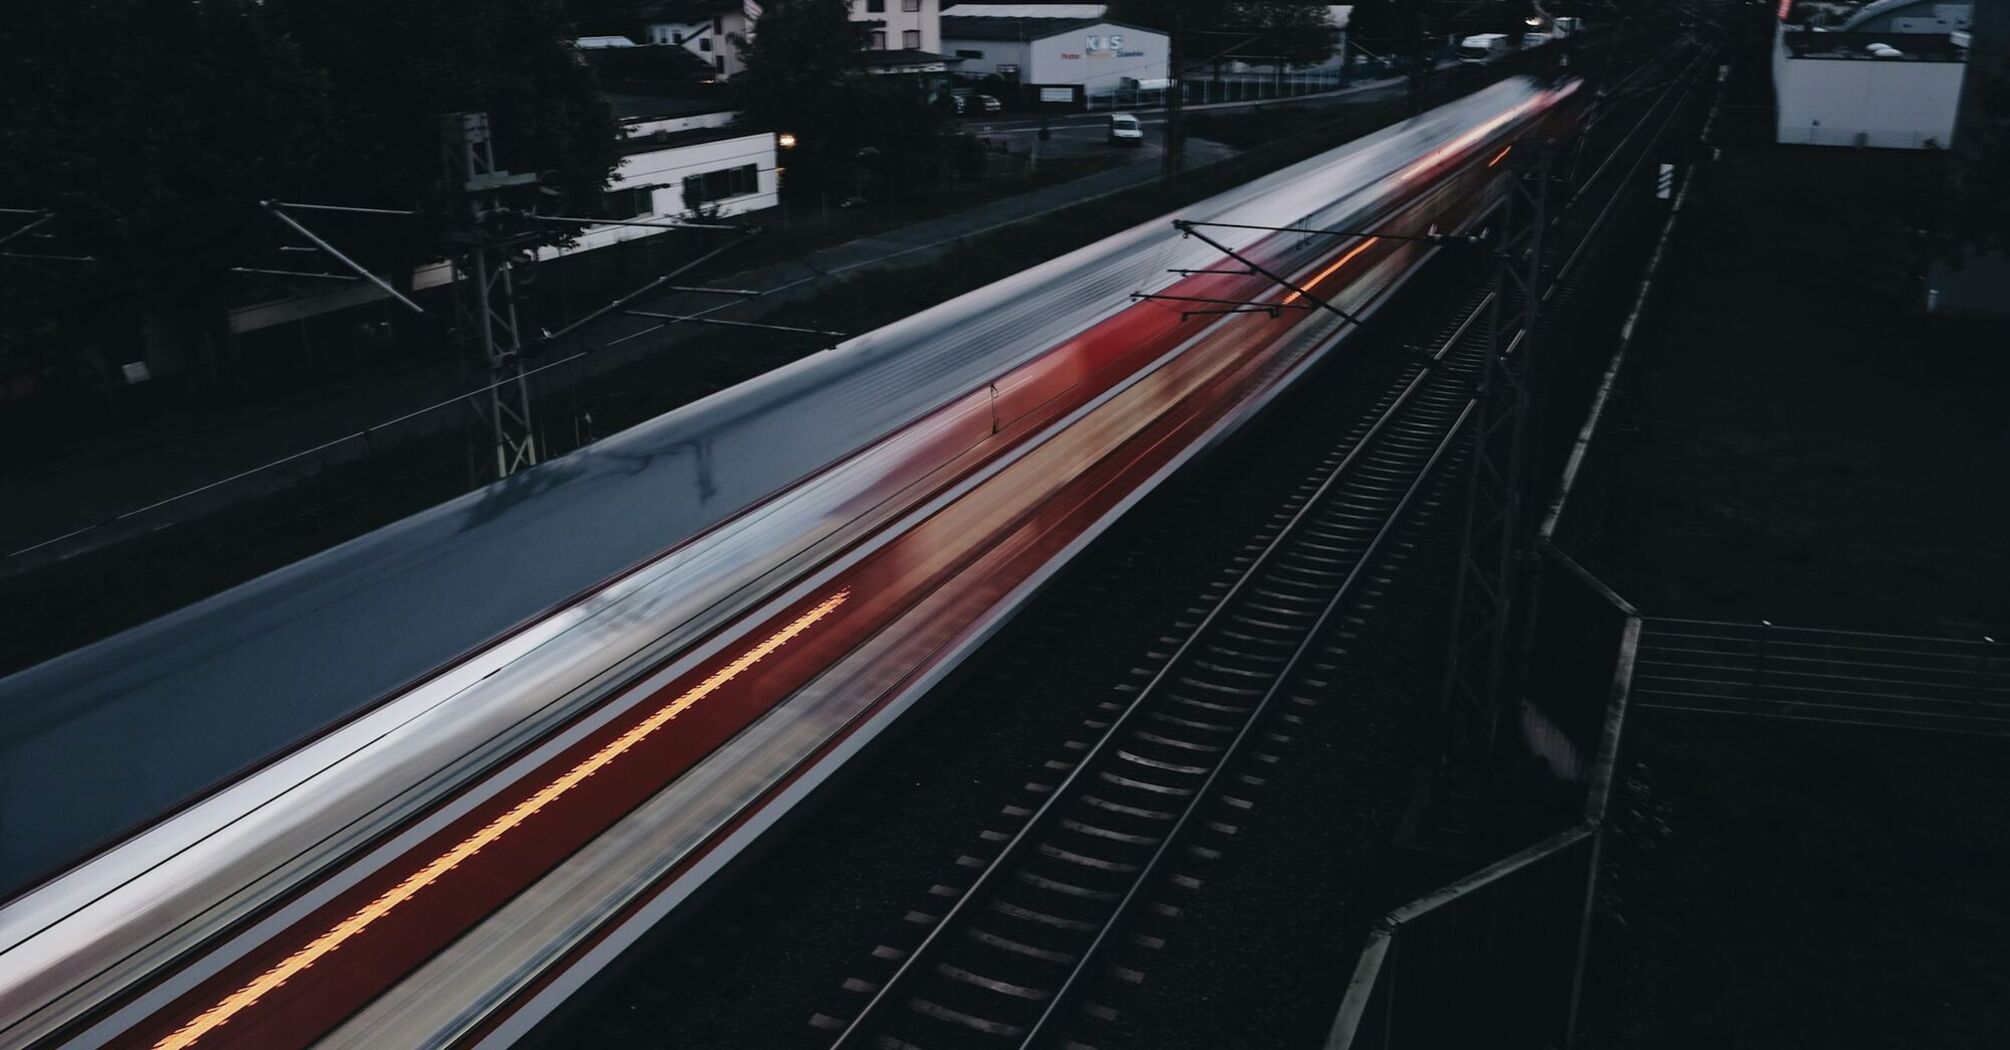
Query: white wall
point(1097, 57)
point(1890, 103)
point(927, 22)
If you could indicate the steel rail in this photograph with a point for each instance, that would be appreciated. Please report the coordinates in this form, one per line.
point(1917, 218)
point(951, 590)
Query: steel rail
point(910, 968)
point(1285, 677)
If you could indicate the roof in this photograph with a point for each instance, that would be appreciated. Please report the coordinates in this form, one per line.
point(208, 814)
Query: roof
point(906, 56)
point(686, 10)
point(629, 108)
point(648, 62)
point(1880, 8)
point(1023, 11)
point(662, 140)
point(988, 28)
point(1912, 47)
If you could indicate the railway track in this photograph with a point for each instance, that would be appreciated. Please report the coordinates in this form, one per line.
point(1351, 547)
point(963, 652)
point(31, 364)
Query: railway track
point(1034, 934)
point(1012, 950)
point(1009, 957)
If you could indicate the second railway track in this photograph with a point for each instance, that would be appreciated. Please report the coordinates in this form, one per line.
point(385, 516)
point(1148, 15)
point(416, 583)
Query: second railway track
point(1036, 935)
point(1010, 953)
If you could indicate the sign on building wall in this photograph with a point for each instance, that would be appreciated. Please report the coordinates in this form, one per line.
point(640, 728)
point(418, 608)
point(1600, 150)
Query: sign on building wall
point(1102, 45)
point(1059, 94)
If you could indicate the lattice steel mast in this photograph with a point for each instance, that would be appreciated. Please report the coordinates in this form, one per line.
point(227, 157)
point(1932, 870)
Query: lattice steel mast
point(485, 314)
point(1483, 667)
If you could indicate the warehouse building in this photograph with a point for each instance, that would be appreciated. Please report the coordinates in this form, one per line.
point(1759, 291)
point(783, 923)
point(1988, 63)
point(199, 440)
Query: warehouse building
point(1895, 86)
point(1057, 60)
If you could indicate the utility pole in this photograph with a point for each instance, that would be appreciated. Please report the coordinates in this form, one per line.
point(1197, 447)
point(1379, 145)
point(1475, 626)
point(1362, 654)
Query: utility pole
point(1175, 148)
point(484, 244)
point(1420, 57)
point(1483, 667)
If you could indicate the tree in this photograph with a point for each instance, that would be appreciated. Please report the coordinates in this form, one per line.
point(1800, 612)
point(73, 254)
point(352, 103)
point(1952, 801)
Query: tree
point(605, 18)
point(1373, 27)
point(798, 68)
point(156, 127)
point(1978, 207)
point(1254, 30)
point(394, 66)
point(152, 128)
point(804, 75)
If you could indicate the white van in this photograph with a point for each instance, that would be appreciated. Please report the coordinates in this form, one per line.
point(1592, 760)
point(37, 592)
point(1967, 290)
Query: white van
point(1125, 130)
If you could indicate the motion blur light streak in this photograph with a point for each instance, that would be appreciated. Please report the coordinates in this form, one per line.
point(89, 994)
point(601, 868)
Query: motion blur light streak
point(1498, 156)
point(1335, 268)
point(220, 1014)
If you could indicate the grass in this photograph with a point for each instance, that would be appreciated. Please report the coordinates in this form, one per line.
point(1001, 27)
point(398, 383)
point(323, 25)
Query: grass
point(1805, 449)
point(1805, 885)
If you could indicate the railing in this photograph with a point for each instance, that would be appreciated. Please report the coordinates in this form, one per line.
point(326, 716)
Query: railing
point(1497, 959)
point(1817, 675)
point(1231, 87)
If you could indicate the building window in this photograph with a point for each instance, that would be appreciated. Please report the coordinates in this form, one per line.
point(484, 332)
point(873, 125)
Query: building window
point(718, 25)
point(622, 204)
point(878, 40)
point(964, 52)
point(719, 63)
point(910, 5)
point(705, 44)
point(873, 7)
point(719, 185)
point(911, 39)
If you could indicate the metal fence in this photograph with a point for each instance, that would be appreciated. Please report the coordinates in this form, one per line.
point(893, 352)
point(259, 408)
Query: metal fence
point(1497, 959)
point(1235, 87)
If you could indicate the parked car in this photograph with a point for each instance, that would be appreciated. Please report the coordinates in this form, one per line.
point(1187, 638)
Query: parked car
point(965, 100)
point(1126, 130)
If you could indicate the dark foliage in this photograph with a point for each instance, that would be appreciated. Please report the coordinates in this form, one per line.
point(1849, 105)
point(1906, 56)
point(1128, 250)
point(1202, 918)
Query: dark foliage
point(154, 129)
point(1255, 30)
point(855, 132)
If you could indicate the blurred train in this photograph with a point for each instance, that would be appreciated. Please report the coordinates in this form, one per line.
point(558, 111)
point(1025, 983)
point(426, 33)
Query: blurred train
point(413, 790)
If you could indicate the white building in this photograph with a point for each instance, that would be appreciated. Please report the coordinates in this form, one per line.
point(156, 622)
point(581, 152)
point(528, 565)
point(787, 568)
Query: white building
point(1079, 55)
point(900, 25)
point(672, 164)
point(705, 28)
point(1882, 89)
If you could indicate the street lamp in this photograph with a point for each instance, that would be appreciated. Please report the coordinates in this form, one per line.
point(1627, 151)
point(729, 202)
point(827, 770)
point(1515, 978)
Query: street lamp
point(786, 140)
